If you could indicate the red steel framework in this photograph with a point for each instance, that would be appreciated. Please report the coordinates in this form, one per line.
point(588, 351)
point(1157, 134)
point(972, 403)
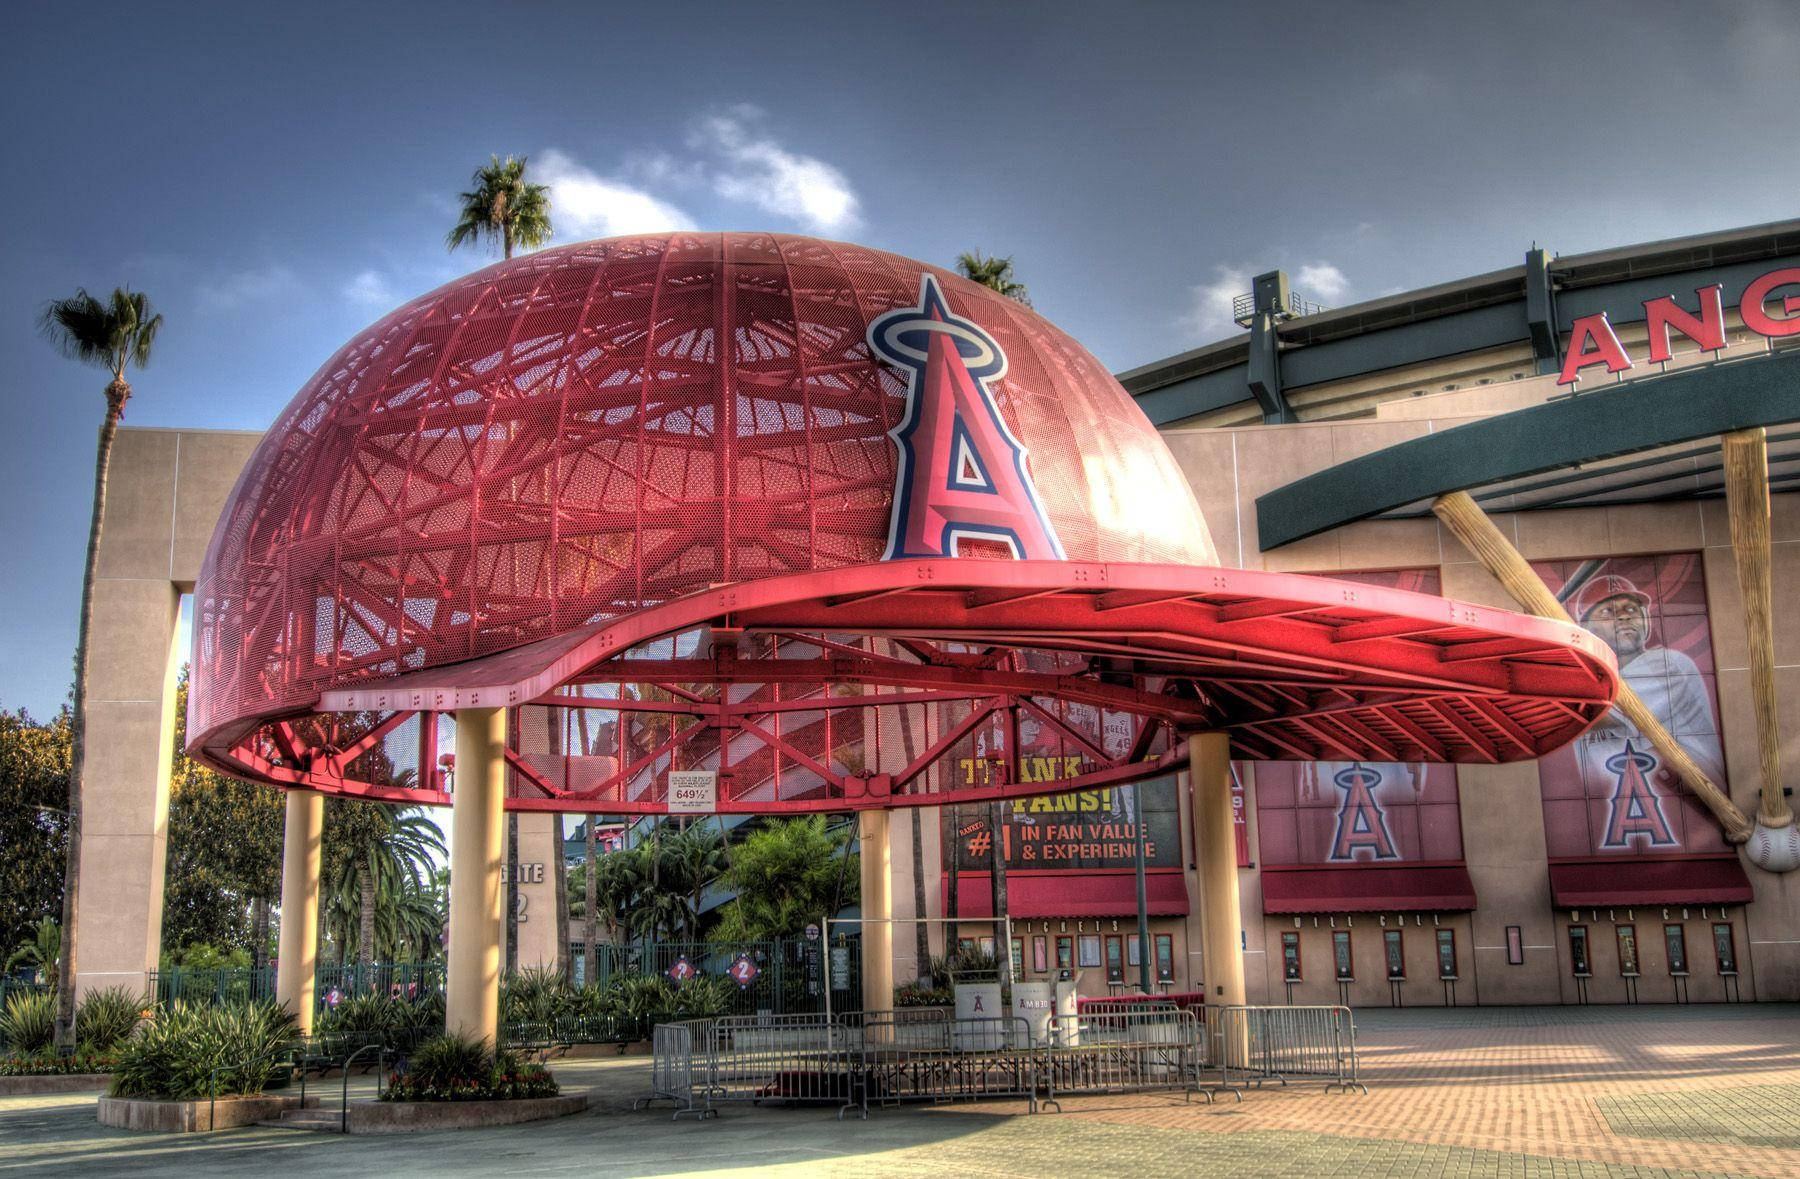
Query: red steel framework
point(638, 490)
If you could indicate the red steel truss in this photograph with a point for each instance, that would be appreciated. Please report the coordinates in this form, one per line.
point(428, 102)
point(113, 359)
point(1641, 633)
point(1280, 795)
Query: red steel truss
point(638, 491)
point(930, 682)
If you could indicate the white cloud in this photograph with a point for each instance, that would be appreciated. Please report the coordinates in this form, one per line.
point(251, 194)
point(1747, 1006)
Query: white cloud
point(1209, 309)
point(756, 169)
point(585, 204)
point(231, 291)
point(1322, 281)
point(371, 288)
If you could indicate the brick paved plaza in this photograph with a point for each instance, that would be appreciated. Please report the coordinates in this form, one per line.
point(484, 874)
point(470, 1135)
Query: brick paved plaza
point(1505, 1091)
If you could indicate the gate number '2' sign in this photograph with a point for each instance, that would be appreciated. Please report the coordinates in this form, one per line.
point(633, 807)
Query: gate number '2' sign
point(693, 792)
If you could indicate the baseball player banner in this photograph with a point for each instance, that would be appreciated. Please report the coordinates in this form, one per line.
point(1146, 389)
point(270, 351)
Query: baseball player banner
point(1339, 812)
point(1608, 793)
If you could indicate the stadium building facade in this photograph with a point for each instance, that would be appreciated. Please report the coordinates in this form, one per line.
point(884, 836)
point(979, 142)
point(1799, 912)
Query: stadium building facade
point(1594, 391)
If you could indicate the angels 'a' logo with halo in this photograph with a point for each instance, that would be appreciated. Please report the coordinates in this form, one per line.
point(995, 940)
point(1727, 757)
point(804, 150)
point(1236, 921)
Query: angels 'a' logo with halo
point(962, 478)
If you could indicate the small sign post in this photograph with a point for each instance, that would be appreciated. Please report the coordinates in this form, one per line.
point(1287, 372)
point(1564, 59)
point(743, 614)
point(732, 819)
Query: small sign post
point(682, 970)
point(693, 792)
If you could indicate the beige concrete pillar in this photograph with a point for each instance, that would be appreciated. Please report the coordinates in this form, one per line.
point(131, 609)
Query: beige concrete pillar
point(477, 846)
point(1222, 957)
point(538, 844)
point(878, 910)
point(125, 795)
point(298, 955)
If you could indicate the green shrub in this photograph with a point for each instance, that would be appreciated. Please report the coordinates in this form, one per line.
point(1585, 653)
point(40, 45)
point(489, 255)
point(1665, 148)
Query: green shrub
point(107, 1017)
point(455, 1068)
point(49, 1064)
point(28, 1021)
point(535, 996)
point(188, 1052)
point(377, 1019)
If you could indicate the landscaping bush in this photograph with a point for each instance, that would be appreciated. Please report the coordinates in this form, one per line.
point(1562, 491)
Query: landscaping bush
point(49, 1064)
point(28, 1022)
point(186, 1053)
point(107, 1017)
point(455, 1068)
point(378, 1019)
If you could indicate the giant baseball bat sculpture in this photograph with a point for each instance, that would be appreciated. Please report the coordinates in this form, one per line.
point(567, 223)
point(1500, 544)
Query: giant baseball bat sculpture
point(1775, 845)
point(1465, 519)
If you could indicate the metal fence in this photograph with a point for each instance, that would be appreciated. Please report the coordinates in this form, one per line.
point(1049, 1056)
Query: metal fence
point(1160, 1047)
point(1280, 1044)
point(858, 1060)
point(407, 980)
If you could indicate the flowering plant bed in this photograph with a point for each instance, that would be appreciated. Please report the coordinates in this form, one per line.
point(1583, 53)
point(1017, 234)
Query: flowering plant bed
point(49, 1064)
point(519, 1083)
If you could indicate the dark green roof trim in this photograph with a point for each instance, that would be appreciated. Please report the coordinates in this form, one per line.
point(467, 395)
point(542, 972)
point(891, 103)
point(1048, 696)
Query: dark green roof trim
point(1483, 311)
point(1631, 416)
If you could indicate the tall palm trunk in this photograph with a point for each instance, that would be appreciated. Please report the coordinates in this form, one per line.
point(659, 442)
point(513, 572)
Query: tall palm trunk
point(590, 931)
point(512, 894)
point(259, 932)
point(997, 868)
point(559, 866)
point(953, 893)
point(365, 933)
point(117, 393)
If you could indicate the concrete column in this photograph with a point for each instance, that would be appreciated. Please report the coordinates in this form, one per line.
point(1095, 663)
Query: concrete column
point(877, 911)
point(477, 846)
point(125, 797)
point(299, 948)
point(1222, 962)
point(538, 847)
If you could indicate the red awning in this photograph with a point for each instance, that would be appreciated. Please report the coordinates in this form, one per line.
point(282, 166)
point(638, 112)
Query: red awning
point(1629, 880)
point(1428, 888)
point(1072, 894)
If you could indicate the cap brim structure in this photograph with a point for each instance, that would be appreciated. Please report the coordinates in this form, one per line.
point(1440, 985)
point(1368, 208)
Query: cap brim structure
point(1110, 662)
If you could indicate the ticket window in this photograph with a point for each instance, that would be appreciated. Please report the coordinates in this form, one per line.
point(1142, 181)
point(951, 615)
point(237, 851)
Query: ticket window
point(1115, 958)
point(1165, 957)
point(1580, 965)
point(1725, 949)
point(1290, 956)
point(1628, 951)
point(1065, 957)
point(1018, 957)
point(1394, 945)
point(1446, 953)
point(1675, 938)
point(1342, 959)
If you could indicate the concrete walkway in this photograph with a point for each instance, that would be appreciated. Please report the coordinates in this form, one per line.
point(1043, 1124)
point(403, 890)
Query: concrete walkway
point(1526, 1091)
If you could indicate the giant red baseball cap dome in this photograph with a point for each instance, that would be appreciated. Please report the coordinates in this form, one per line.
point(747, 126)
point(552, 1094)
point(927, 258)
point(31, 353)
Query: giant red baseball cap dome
point(529, 470)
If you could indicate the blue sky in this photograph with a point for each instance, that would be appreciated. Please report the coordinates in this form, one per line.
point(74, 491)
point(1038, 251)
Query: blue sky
point(277, 177)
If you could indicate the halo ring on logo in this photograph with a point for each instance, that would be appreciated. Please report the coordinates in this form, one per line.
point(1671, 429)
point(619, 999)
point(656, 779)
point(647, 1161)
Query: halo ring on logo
point(986, 359)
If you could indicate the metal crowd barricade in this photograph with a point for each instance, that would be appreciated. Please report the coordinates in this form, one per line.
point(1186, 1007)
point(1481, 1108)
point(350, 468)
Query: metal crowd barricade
point(946, 1059)
point(1125, 1050)
point(702, 1063)
point(1287, 1043)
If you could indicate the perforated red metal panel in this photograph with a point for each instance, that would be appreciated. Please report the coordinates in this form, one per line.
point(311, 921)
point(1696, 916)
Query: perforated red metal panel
point(578, 433)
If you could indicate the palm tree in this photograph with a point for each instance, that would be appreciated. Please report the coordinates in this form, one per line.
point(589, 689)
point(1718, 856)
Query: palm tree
point(502, 205)
point(590, 925)
point(390, 856)
point(996, 274)
point(40, 953)
point(112, 336)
